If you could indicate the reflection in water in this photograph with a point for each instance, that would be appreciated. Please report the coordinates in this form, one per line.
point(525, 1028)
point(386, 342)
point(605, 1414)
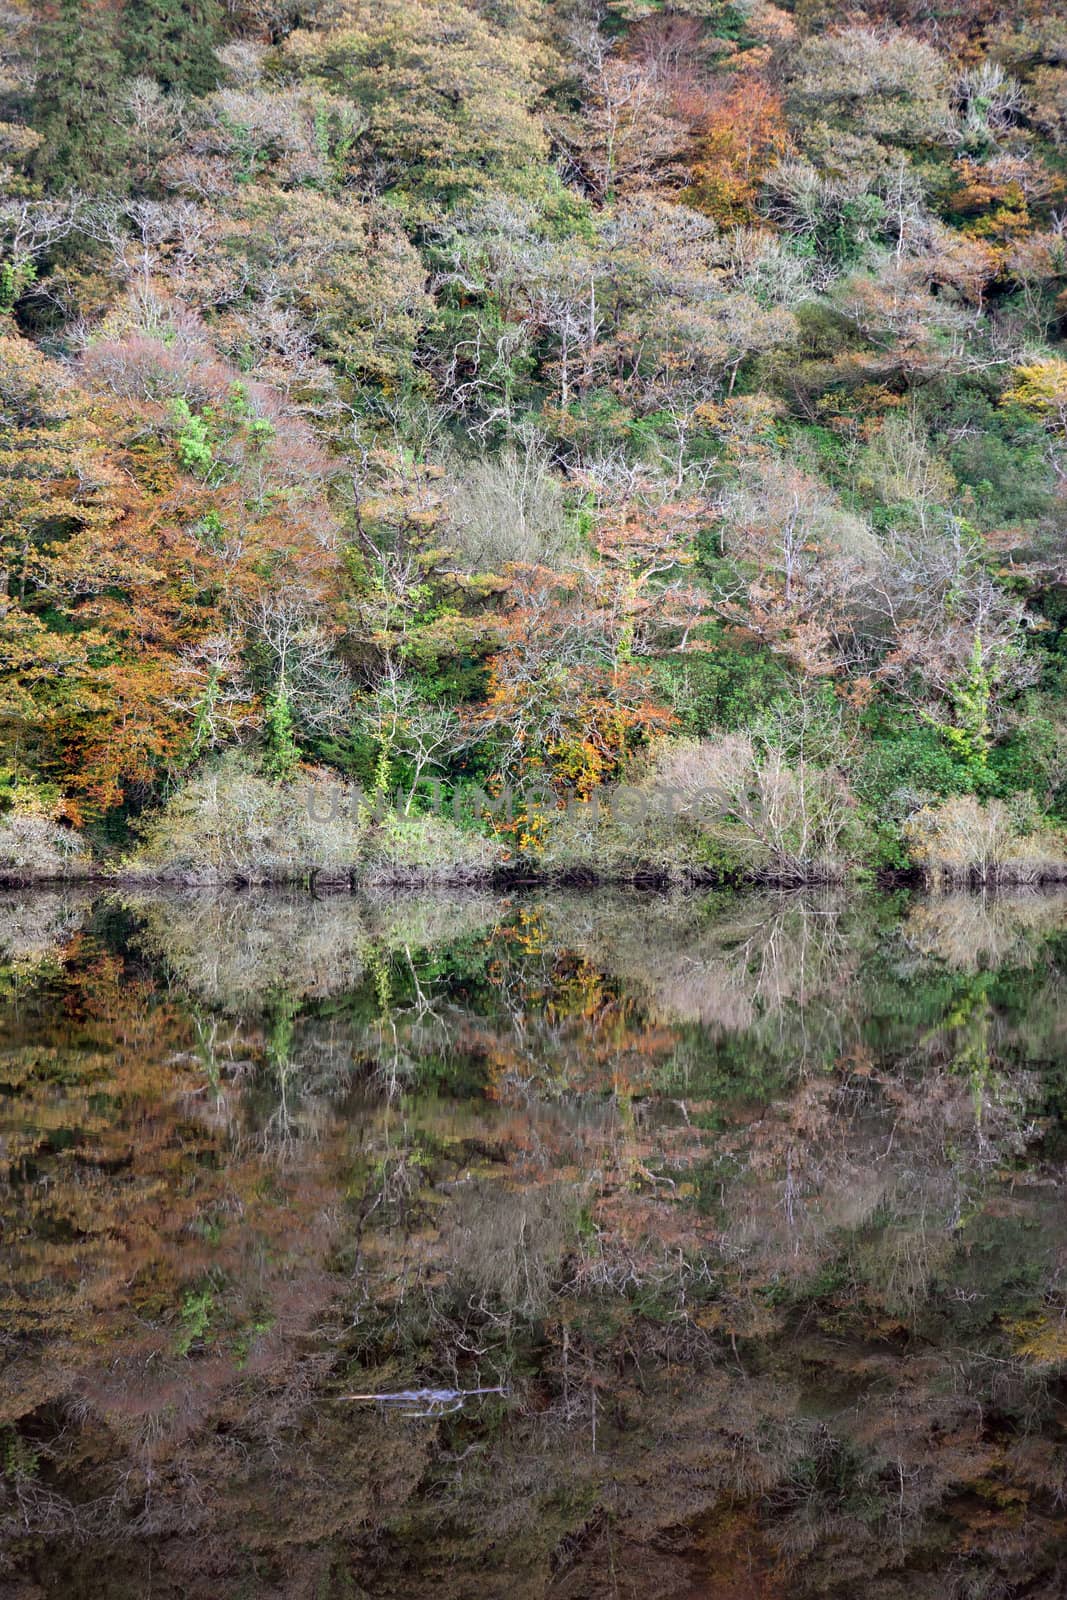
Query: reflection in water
point(559, 1247)
point(426, 1402)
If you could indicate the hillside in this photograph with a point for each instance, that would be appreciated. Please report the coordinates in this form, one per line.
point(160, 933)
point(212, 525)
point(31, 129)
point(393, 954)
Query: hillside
point(420, 402)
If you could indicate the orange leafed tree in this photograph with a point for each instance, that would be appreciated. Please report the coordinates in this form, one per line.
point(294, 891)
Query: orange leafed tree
point(738, 136)
point(565, 695)
point(570, 689)
point(123, 574)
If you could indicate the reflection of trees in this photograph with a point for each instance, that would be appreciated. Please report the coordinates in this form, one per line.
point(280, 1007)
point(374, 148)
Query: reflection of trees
point(144, 1231)
point(885, 1166)
point(969, 932)
point(35, 927)
point(774, 965)
point(741, 1199)
point(231, 950)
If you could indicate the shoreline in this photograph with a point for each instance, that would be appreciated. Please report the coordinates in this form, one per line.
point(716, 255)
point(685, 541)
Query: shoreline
point(503, 878)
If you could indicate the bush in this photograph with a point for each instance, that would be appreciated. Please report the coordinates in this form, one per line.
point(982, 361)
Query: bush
point(1033, 758)
point(720, 805)
point(621, 834)
point(966, 841)
point(33, 842)
point(232, 825)
point(722, 687)
point(905, 754)
point(428, 849)
point(33, 845)
point(784, 823)
point(507, 509)
point(229, 824)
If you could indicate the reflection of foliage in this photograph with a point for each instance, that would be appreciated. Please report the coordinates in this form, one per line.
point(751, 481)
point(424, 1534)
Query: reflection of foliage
point(232, 949)
point(713, 1187)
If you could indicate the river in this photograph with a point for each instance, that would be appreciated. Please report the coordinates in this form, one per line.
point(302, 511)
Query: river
point(551, 1247)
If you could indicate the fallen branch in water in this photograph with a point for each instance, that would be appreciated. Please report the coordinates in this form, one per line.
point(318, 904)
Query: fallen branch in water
point(425, 1402)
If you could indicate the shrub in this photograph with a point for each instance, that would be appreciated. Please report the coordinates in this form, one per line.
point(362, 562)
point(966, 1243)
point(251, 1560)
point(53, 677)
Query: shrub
point(229, 824)
point(1033, 757)
point(428, 849)
point(722, 687)
point(33, 845)
point(719, 805)
point(784, 822)
point(621, 834)
point(507, 509)
point(33, 842)
point(966, 841)
point(903, 753)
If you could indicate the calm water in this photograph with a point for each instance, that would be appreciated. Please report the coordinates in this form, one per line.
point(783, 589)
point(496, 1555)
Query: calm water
point(570, 1246)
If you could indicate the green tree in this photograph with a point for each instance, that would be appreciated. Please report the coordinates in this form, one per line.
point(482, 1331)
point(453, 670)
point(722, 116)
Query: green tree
point(173, 41)
point(75, 98)
point(971, 737)
point(447, 93)
point(281, 753)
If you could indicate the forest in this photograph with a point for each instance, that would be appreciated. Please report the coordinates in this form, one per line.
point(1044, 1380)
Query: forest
point(566, 398)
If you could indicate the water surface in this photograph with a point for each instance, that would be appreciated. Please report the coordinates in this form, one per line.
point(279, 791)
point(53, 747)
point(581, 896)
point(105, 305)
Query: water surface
point(688, 1246)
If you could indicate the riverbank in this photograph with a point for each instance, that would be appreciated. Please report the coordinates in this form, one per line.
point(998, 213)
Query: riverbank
point(529, 875)
point(236, 828)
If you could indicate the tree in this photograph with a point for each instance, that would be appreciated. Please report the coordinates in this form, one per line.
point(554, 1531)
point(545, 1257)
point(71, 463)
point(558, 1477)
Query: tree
point(412, 735)
point(28, 229)
point(956, 645)
point(162, 598)
point(881, 86)
point(446, 90)
point(76, 98)
point(342, 274)
point(739, 136)
point(172, 41)
point(626, 136)
point(1040, 387)
point(568, 691)
point(282, 753)
point(96, 607)
point(791, 560)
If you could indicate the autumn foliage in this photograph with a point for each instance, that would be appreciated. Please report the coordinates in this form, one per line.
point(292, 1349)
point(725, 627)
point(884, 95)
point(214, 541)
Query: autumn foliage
point(434, 397)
